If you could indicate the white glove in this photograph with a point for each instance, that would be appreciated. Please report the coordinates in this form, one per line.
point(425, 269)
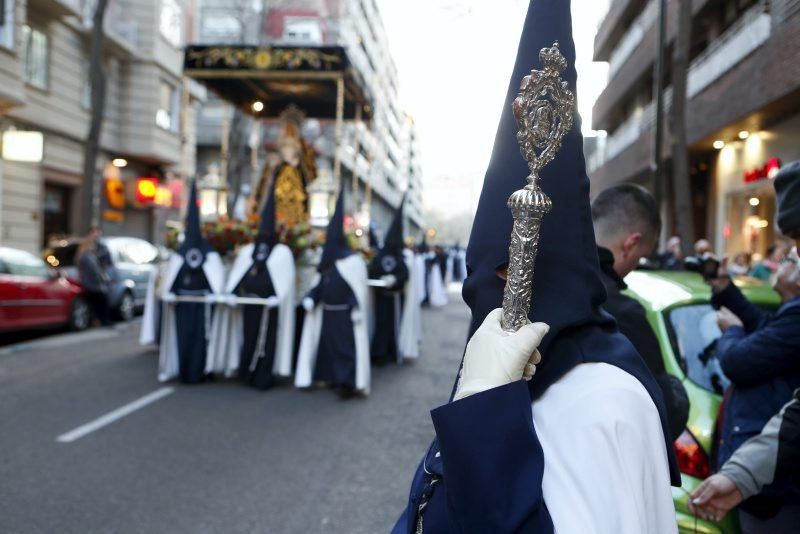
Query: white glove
point(495, 357)
point(308, 304)
point(273, 301)
point(229, 300)
point(389, 279)
point(356, 316)
point(168, 298)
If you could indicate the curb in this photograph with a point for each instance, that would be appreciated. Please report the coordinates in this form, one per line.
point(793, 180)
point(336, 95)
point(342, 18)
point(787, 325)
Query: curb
point(71, 338)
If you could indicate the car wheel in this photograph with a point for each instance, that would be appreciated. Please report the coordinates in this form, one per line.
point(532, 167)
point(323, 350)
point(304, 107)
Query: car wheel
point(127, 307)
point(80, 315)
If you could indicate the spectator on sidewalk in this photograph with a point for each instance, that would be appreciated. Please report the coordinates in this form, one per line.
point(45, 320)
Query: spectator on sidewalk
point(702, 247)
point(769, 265)
point(93, 277)
point(626, 227)
point(740, 265)
point(759, 354)
point(672, 258)
point(771, 455)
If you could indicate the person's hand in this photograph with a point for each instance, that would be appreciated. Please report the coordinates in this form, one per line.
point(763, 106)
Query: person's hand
point(273, 301)
point(495, 357)
point(229, 300)
point(727, 319)
point(723, 279)
point(356, 316)
point(308, 304)
point(389, 279)
point(169, 298)
point(715, 497)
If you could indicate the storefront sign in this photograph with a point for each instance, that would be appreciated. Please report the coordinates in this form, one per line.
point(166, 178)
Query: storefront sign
point(115, 193)
point(163, 197)
point(113, 216)
point(769, 170)
point(27, 147)
point(145, 191)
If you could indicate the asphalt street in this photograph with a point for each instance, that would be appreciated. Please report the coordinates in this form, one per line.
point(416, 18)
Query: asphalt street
point(216, 457)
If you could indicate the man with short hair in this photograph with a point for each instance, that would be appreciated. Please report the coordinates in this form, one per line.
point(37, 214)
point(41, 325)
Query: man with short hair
point(626, 226)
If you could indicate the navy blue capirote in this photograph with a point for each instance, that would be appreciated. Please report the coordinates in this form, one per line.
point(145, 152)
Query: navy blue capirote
point(483, 472)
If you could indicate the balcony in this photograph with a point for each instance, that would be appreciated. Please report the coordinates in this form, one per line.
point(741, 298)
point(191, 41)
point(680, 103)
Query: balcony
point(633, 37)
point(739, 41)
point(56, 8)
point(121, 28)
point(637, 66)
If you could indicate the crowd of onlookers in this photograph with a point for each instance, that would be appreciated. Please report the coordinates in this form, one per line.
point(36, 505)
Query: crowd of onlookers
point(740, 264)
point(757, 445)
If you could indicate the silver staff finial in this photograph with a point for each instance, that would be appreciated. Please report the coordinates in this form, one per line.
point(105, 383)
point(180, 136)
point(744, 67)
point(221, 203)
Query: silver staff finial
point(544, 111)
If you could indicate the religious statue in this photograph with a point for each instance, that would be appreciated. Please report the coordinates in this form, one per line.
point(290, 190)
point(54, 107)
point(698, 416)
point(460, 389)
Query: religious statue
point(291, 176)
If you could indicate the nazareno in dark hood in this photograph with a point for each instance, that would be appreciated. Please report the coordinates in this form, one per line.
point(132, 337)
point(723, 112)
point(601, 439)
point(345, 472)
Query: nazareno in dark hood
point(336, 247)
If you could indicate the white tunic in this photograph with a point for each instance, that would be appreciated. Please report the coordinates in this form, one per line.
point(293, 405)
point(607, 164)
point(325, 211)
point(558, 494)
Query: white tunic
point(606, 468)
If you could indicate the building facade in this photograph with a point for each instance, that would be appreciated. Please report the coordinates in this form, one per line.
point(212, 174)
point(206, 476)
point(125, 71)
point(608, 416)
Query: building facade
point(148, 128)
point(743, 107)
point(379, 157)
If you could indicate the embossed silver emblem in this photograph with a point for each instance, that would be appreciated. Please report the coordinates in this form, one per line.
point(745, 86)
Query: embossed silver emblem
point(262, 252)
point(388, 263)
point(194, 258)
point(544, 111)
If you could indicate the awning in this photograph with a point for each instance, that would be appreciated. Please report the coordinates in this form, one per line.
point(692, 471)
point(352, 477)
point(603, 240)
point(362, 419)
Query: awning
point(277, 76)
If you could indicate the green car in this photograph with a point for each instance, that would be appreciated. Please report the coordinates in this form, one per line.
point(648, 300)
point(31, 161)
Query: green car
point(679, 311)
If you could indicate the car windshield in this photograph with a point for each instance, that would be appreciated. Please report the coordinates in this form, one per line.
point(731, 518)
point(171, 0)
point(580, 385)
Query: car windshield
point(694, 333)
point(133, 251)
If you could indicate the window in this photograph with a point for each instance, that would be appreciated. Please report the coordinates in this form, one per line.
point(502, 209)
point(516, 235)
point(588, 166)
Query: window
point(24, 264)
point(302, 31)
point(167, 114)
point(171, 22)
point(86, 90)
point(694, 333)
point(7, 9)
point(35, 56)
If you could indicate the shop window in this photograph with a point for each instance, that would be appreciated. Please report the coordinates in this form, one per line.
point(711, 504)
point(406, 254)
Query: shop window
point(171, 22)
point(7, 23)
point(56, 211)
point(35, 56)
point(167, 114)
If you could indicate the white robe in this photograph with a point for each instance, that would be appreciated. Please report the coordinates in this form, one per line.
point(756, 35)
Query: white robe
point(437, 291)
point(411, 320)
point(150, 315)
point(227, 329)
point(214, 270)
point(606, 468)
point(353, 270)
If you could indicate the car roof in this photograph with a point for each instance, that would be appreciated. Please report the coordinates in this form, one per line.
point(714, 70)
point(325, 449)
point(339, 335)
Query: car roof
point(658, 290)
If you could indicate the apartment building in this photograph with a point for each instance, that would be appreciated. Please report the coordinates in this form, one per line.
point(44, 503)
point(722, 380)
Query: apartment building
point(742, 111)
point(379, 155)
point(148, 129)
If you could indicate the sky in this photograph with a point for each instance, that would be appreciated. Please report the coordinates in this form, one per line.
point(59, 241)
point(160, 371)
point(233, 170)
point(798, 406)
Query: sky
point(454, 59)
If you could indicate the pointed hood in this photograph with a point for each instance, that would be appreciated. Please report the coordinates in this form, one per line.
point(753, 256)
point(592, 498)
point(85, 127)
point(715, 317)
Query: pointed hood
point(567, 287)
point(423, 247)
point(393, 243)
point(567, 256)
point(267, 235)
point(194, 247)
point(372, 231)
point(336, 246)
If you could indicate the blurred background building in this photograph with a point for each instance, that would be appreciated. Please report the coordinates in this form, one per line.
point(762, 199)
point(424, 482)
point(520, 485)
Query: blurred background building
point(743, 96)
point(149, 125)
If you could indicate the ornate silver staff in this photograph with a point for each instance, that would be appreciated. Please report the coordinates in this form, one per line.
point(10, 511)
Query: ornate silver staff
point(544, 110)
